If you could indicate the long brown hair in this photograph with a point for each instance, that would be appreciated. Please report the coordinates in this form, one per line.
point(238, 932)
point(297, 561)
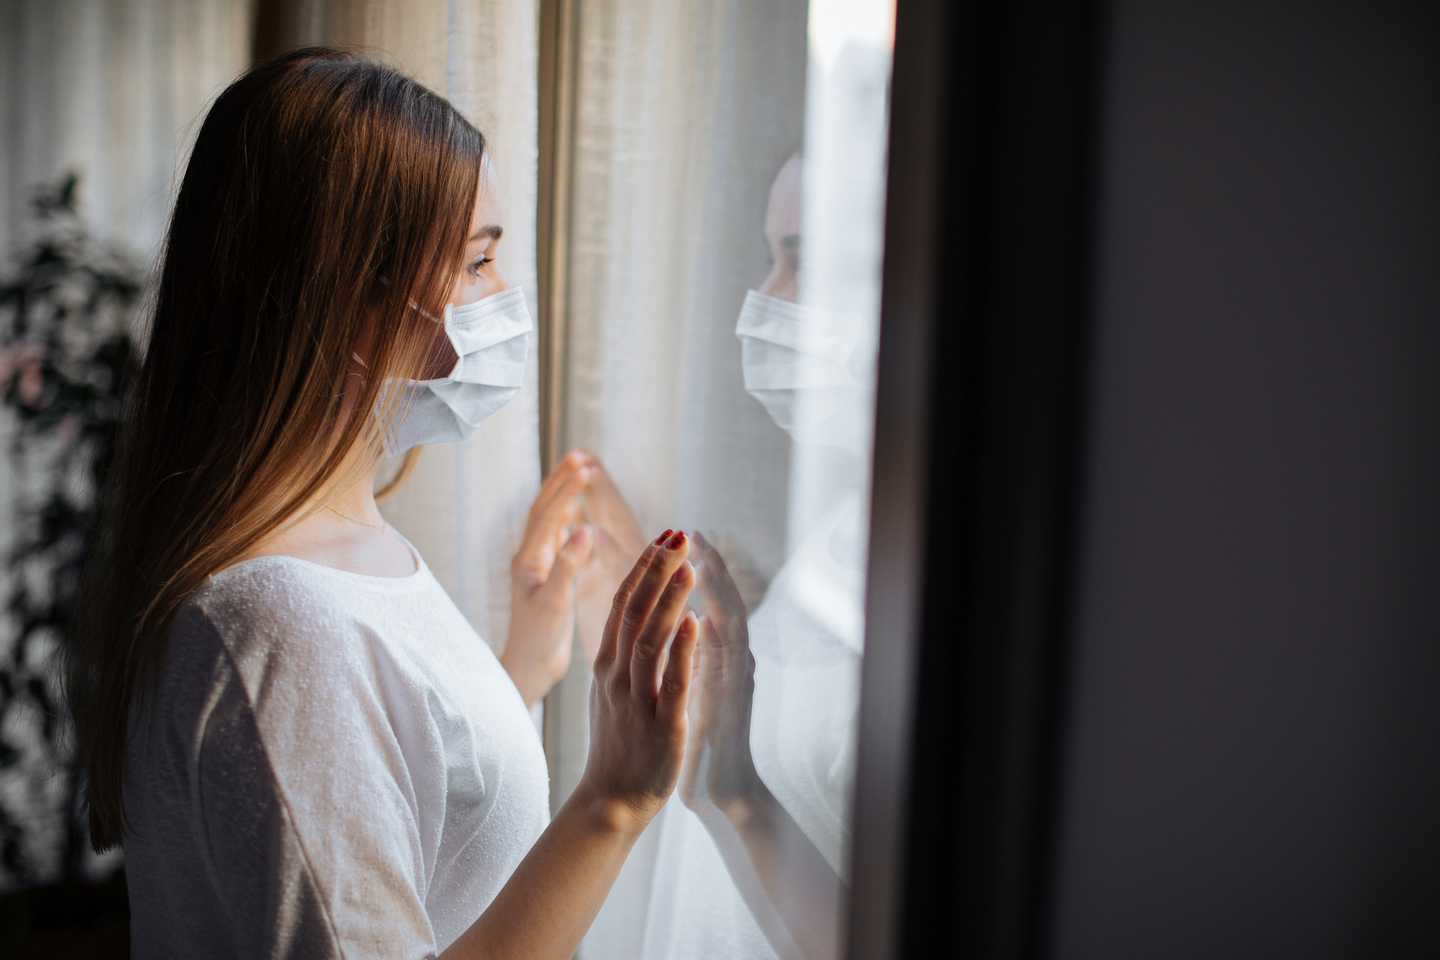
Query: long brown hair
point(325, 194)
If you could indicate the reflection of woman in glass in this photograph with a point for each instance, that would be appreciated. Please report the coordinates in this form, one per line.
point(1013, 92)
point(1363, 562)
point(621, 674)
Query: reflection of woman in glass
point(811, 364)
point(768, 767)
point(303, 746)
point(772, 745)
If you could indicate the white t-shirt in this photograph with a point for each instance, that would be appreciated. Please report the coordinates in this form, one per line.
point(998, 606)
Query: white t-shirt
point(336, 765)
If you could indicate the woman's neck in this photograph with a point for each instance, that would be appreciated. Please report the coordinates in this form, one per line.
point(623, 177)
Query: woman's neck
point(357, 503)
point(347, 533)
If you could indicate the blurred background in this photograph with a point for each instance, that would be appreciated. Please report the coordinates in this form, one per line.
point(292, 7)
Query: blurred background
point(98, 102)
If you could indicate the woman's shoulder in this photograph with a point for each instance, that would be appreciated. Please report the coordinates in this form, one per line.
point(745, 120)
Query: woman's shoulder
point(270, 590)
point(277, 609)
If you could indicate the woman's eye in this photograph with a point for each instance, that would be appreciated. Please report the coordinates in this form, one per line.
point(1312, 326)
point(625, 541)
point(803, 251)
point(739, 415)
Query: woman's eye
point(475, 267)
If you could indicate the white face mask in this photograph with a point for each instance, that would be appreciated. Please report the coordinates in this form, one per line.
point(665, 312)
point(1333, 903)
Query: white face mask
point(795, 360)
point(491, 338)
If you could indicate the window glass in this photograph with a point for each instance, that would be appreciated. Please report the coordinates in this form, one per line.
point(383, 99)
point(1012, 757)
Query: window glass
point(722, 271)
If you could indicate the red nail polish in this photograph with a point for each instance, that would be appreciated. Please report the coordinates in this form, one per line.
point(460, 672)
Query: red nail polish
point(675, 541)
point(661, 539)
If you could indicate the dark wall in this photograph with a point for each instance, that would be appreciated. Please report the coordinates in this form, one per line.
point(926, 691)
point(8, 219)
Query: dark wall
point(1252, 763)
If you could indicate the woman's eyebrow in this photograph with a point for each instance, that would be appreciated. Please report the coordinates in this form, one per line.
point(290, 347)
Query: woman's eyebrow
point(492, 232)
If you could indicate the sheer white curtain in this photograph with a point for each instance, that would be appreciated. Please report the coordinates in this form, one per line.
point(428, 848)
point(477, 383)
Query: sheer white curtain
point(685, 113)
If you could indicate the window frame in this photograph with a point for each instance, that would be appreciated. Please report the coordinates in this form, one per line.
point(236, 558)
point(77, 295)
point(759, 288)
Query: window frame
point(978, 428)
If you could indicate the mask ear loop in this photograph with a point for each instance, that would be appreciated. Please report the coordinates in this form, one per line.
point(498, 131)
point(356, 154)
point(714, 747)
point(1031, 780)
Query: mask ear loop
point(425, 313)
point(415, 306)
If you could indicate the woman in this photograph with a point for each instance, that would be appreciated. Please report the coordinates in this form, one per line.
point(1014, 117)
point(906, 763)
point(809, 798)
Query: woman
point(304, 748)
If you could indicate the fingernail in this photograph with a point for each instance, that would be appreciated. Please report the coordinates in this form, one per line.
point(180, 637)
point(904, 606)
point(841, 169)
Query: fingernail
point(661, 539)
point(679, 576)
point(674, 542)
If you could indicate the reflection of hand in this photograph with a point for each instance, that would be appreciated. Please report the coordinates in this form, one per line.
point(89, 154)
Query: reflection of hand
point(638, 699)
point(542, 582)
point(720, 783)
point(719, 742)
point(618, 541)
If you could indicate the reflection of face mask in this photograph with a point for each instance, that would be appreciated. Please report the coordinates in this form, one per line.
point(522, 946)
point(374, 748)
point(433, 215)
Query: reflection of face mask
point(491, 338)
point(795, 363)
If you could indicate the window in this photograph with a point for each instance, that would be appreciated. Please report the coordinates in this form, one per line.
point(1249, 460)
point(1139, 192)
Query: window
point(713, 241)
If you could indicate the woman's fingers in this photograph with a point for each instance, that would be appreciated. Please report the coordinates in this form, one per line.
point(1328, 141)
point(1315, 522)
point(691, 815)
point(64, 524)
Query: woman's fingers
point(655, 566)
point(562, 471)
point(553, 492)
point(629, 619)
point(638, 704)
point(610, 639)
point(608, 509)
point(573, 555)
point(648, 656)
point(547, 520)
point(679, 671)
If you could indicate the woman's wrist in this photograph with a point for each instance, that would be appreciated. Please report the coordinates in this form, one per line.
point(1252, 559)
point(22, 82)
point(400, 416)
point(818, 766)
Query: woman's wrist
point(607, 813)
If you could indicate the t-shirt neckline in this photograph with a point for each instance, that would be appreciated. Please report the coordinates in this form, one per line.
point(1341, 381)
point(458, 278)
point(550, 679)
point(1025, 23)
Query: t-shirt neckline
point(420, 572)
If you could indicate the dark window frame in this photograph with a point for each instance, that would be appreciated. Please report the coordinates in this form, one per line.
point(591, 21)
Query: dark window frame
point(983, 342)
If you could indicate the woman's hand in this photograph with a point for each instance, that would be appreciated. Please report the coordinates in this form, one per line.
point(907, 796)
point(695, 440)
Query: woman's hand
point(637, 734)
point(719, 768)
point(642, 682)
point(618, 541)
point(542, 582)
